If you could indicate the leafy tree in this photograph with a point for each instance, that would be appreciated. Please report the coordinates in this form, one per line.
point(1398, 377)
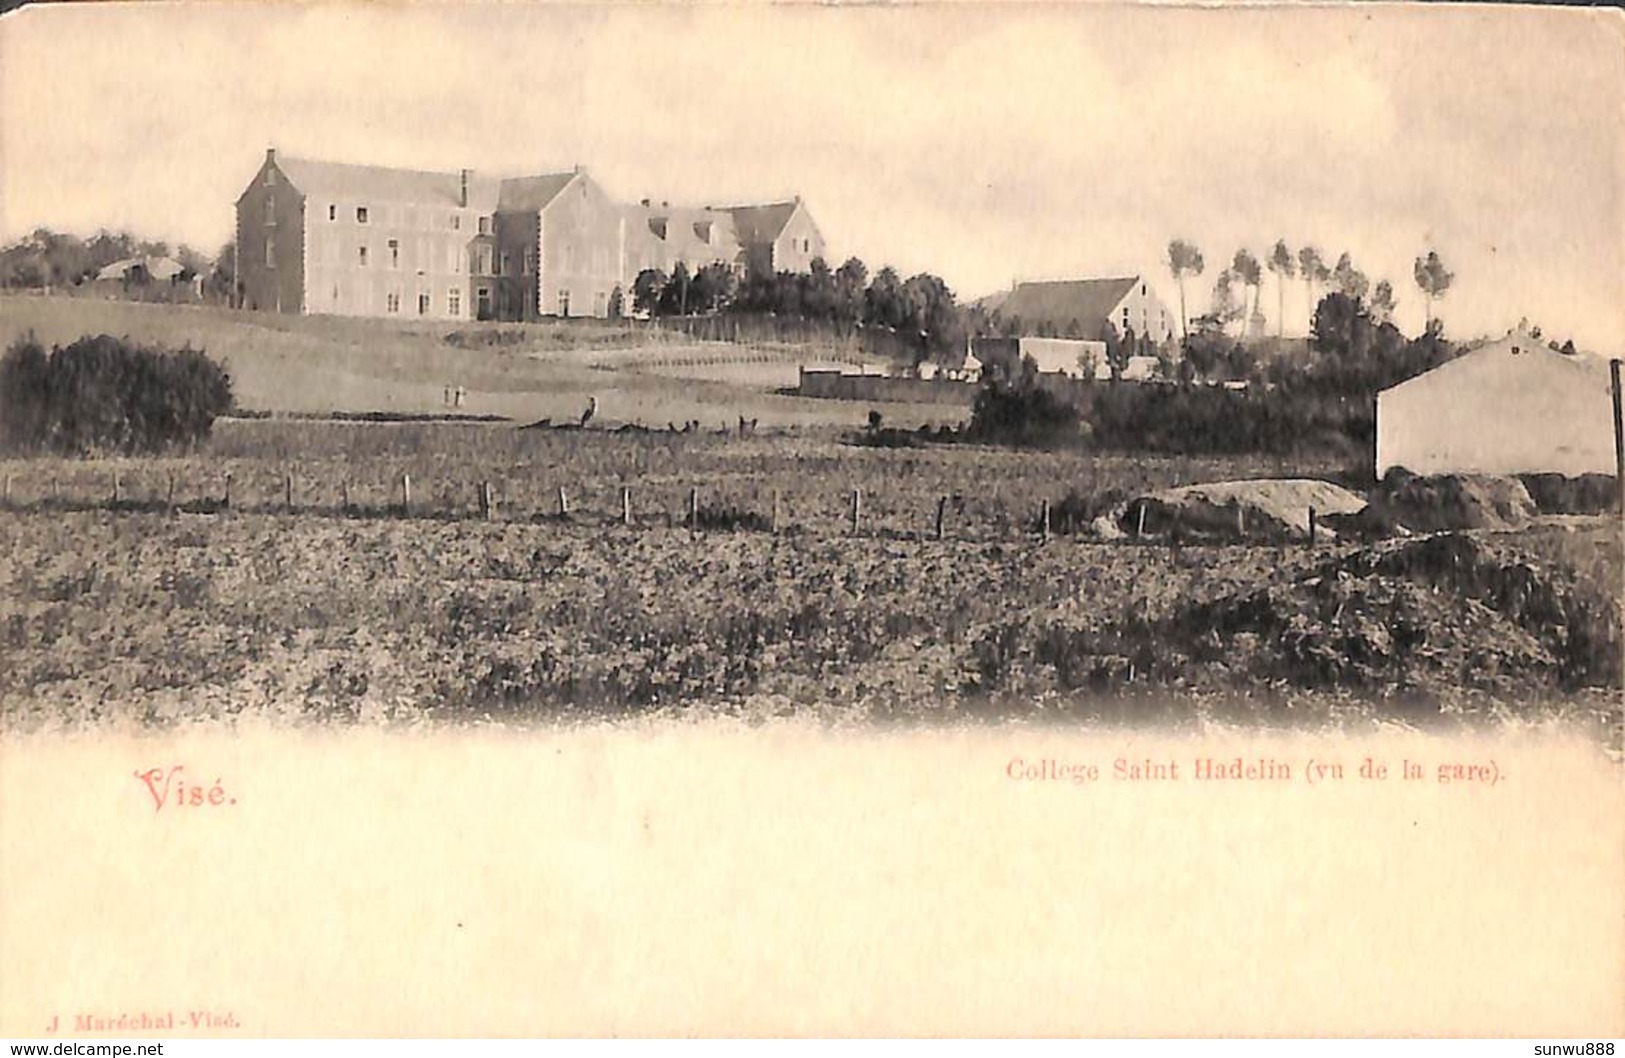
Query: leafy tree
point(1227, 307)
point(1184, 259)
point(712, 288)
point(1434, 280)
point(1118, 350)
point(819, 300)
point(1382, 301)
point(883, 301)
point(648, 290)
point(1349, 280)
point(1281, 264)
point(850, 280)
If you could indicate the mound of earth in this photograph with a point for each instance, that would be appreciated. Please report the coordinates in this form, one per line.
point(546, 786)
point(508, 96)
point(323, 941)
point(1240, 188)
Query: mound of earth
point(1442, 611)
point(1454, 501)
point(1267, 508)
point(1425, 619)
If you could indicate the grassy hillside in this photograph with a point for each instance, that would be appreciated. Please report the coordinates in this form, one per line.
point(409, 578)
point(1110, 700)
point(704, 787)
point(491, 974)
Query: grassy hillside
point(523, 371)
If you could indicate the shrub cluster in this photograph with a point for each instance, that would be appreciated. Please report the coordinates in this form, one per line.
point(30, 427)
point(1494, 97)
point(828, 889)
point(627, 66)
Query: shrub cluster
point(106, 394)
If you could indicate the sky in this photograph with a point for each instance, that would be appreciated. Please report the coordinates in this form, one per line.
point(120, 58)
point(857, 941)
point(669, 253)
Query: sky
point(983, 142)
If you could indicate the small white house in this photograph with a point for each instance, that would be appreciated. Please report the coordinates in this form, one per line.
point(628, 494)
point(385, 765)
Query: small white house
point(1513, 406)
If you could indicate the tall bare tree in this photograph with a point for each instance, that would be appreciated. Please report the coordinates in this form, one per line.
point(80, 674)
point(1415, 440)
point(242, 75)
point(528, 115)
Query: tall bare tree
point(1281, 264)
point(1434, 280)
point(1184, 259)
point(1314, 272)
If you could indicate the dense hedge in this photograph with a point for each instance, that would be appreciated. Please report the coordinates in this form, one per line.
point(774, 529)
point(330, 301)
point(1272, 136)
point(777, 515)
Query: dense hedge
point(106, 394)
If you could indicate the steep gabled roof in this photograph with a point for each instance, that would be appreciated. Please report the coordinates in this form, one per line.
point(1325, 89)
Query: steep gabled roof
point(361, 183)
point(532, 192)
point(764, 223)
point(1059, 302)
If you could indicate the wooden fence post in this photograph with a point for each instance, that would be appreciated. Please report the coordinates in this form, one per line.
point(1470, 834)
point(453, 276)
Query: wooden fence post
point(1311, 528)
point(773, 523)
point(857, 509)
point(1043, 520)
point(1139, 525)
point(8, 490)
point(169, 499)
point(344, 495)
point(564, 503)
point(287, 490)
point(694, 509)
point(1241, 521)
point(117, 490)
point(1619, 433)
point(485, 500)
point(225, 501)
point(406, 493)
point(626, 505)
point(942, 514)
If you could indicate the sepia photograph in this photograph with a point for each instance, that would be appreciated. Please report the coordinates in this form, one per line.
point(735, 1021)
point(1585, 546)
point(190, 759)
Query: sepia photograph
point(531, 519)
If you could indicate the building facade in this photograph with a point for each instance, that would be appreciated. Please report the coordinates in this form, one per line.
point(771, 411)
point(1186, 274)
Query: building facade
point(329, 238)
point(1513, 406)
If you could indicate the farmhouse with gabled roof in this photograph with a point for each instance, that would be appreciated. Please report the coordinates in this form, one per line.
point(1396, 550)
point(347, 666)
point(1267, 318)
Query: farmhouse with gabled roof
point(1081, 308)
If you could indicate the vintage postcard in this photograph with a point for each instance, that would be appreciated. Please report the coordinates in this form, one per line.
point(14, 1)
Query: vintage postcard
point(530, 520)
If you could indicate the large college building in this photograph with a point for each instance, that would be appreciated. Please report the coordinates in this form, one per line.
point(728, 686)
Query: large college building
point(359, 240)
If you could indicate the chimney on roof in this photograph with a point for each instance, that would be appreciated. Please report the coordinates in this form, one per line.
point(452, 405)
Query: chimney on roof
point(644, 202)
point(578, 169)
point(462, 193)
point(270, 156)
point(664, 204)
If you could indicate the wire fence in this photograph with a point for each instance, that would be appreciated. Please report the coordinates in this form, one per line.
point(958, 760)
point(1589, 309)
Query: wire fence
point(717, 504)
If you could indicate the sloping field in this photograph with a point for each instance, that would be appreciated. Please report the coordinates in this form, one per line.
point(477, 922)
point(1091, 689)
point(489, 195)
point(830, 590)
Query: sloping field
point(317, 365)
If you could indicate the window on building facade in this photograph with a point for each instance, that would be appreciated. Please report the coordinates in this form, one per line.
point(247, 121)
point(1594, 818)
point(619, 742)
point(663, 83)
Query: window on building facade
point(392, 302)
point(270, 211)
point(456, 222)
point(270, 253)
point(394, 253)
point(361, 256)
point(485, 260)
point(361, 214)
point(454, 302)
point(507, 263)
point(530, 261)
point(332, 211)
point(485, 225)
point(423, 304)
point(564, 303)
point(335, 293)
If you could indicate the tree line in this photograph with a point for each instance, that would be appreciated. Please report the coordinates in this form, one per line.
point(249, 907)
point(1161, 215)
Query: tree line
point(1245, 273)
point(920, 308)
point(47, 258)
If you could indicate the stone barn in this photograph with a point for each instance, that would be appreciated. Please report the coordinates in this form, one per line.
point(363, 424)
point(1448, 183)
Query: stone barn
point(1513, 406)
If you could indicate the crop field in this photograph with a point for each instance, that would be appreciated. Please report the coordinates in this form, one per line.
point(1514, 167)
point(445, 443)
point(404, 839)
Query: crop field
point(168, 607)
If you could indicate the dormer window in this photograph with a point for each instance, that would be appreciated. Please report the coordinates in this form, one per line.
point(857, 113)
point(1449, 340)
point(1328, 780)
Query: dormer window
point(361, 214)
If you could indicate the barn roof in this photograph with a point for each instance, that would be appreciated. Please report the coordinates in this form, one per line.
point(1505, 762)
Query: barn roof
point(532, 192)
point(1060, 302)
point(764, 223)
